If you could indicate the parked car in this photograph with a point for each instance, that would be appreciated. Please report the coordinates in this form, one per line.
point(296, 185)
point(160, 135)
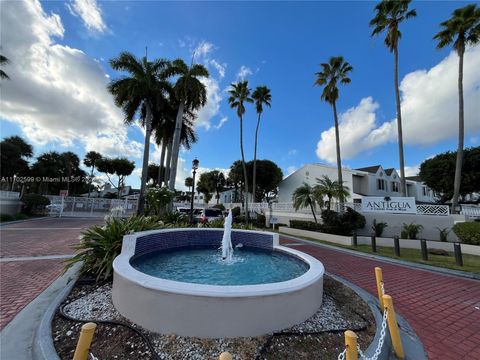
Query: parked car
point(209, 215)
point(186, 211)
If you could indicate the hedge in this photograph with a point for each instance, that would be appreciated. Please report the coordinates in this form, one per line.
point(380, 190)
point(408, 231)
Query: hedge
point(305, 225)
point(468, 232)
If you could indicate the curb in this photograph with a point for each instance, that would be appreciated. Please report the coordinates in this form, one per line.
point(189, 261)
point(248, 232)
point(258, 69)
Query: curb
point(425, 267)
point(6, 223)
point(412, 345)
point(43, 348)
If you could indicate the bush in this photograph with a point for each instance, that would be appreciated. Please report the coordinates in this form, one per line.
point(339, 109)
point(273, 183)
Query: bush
point(100, 245)
point(219, 206)
point(342, 224)
point(6, 217)
point(410, 231)
point(260, 221)
point(158, 198)
point(468, 232)
point(214, 224)
point(378, 228)
point(34, 203)
point(305, 225)
point(239, 219)
point(174, 218)
point(236, 212)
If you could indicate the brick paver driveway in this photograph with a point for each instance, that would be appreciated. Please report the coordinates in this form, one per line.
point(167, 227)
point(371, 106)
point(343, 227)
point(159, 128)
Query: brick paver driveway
point(22, 280)
point(443, 310)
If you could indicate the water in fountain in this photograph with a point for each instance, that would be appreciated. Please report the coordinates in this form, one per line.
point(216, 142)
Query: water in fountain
point(227, 249)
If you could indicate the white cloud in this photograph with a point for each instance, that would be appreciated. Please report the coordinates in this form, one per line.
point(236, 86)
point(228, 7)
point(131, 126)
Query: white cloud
point(184, 170)
point(212, 107)
point(411, 170)
point(219, 67)
point(358, 132)
point(429, 110)
point(203, 49)
point(243, 72)
point(57, 94)
point(222, 121)
point(90, 13)
point(292, 152)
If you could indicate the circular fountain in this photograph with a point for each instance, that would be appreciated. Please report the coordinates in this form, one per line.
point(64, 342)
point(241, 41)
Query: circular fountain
point(178, 281)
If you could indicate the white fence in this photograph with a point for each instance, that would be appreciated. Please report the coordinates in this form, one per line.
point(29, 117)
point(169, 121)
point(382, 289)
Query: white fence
point(90, 207)
point(470, 210)
point(9, 194)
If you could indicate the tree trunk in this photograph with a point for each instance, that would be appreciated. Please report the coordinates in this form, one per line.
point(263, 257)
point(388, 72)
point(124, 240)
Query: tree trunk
point(313, 212)
point(176, 147)
point(90, 183)
point(146, 152)
point(168, 164)
point(254, 187)
point(403, 184)
point(162, 163)
point(458, 164)
point(244, 170)
point(339, 158)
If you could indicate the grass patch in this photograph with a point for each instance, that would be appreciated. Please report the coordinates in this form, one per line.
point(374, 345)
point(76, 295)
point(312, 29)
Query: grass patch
point(471, 263)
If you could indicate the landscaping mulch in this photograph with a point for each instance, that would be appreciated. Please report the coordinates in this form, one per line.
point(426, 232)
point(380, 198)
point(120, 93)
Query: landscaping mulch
point(320, 337)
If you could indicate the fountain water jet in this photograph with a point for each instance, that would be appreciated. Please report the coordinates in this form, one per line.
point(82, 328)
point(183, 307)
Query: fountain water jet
point(227, 248)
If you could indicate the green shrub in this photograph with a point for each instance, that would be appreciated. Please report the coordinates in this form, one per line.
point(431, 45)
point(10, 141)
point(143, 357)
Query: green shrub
point(219, 206)
point(21, 216)
point(410, 231)
point(443, 234)
point(158, 198)
point(378, 228)
point(239, 219)
point(305, 225)
point(214, 224)
point(468, 232)
point(6, 217)
point(342, 224)
point(174, 218)
point(236, 212)
point(260, 221)
point(100, 245)
point(34, 203)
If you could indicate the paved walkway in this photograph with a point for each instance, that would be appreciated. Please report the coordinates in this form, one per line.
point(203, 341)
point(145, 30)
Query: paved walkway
point(443, 310)
point(31, 258)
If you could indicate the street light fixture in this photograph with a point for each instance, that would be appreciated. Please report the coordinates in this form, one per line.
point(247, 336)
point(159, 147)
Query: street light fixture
point(195, 163)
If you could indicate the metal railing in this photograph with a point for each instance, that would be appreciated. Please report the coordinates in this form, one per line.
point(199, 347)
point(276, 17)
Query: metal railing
point(470, 210)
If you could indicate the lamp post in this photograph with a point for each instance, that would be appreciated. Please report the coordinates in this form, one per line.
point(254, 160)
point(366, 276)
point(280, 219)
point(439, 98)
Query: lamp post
point(195, 163)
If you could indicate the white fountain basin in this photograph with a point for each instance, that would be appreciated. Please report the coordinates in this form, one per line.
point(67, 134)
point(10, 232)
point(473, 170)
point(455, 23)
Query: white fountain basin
point(212, 311)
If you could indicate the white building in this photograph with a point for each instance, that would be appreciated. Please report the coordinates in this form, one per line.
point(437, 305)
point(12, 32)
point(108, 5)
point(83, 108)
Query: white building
point(368, 181)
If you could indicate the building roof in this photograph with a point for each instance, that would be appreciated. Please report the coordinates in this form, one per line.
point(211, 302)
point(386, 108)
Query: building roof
point(414, 178)
point(370, 169)
point(389, 171)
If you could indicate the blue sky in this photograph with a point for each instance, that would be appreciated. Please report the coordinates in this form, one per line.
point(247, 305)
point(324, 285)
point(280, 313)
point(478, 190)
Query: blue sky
point(277, 44)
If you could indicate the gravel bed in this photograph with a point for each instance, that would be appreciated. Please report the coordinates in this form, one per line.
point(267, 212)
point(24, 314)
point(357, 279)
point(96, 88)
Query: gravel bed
point(97, 304)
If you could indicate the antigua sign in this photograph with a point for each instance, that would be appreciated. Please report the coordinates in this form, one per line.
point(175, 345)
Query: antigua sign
point(402, 205)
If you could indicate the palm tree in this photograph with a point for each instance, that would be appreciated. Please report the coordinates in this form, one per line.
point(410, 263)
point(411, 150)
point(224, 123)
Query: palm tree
point(389, 14)
point(304, 196)
point(333, 72)
point(332, 189)
point(192, 95)
point(145, 85)
point(239, 95)
point(261, 95)
point(89, 161)
point(3, 61)
point(189, 183)
point(463, 29)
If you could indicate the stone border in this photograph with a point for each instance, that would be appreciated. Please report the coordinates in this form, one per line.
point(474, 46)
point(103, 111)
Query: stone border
point(43, 348)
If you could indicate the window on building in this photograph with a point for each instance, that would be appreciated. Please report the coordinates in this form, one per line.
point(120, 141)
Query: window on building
point(425, 191)
point(381, 184)
point(395, 187)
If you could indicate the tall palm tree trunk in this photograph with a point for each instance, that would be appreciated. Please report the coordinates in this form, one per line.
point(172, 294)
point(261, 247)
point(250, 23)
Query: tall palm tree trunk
point(458, 164)
point(255, 162)
point(168, 163)
point(339, 158)
point(176, 146)
point(403, 184)
point(244, 170)
point(146, 152)
point(313, 212)
point(161, 168)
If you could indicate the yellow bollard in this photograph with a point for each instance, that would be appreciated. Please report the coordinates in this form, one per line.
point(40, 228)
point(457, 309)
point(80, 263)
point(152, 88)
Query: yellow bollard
point(84, 341)
point(225, 356)
point(379, 277)
point(393, 327)
point(351, 345)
